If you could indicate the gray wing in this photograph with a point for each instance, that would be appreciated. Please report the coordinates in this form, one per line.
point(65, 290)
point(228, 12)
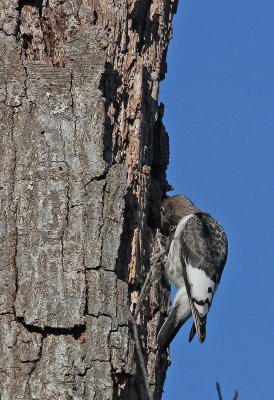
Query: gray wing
point(203, 256)
point(179, 314)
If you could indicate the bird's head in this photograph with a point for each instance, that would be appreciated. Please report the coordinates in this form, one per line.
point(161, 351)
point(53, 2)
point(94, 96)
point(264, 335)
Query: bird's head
point(173, 209)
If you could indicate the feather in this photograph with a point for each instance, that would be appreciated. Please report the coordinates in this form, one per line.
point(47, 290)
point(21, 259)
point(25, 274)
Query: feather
point(192, 332)
point(169, 329)
point(179, 314)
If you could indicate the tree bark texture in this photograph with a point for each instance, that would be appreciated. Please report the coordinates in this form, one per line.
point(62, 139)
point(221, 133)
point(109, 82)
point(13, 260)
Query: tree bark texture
point(83, 161)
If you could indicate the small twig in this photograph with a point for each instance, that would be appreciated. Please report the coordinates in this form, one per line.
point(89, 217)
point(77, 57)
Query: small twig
point(235, 397)
point(140, 355)
point(219, 391)
point(154, 259)
point(142, 295)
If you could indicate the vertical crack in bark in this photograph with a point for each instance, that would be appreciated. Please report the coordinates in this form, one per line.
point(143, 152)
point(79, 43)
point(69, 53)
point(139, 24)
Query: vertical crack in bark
point(109, 84)
point(14, 209)
point(65, 225)
point(72, 104)
point(15, 263)
point(100, 227)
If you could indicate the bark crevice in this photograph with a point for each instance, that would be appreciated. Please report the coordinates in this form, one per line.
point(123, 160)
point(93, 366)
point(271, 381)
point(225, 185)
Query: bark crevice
point(75, 331)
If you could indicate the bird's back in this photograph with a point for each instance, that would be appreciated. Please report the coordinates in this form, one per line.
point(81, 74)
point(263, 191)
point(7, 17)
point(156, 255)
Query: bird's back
point(204, 244)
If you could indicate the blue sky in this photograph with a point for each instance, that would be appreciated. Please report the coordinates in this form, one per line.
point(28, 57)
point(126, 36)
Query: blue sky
point(219, 98)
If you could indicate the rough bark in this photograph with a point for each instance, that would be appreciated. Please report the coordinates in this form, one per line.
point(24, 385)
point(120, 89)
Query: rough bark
point(83, 158)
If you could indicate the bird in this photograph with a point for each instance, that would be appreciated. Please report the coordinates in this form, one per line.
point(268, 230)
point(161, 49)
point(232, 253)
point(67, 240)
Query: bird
point(197, 253)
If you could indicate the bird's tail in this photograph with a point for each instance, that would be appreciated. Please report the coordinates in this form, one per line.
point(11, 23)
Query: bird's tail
point(199, 325)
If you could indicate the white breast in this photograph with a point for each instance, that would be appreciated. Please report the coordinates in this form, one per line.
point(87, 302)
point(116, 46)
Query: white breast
point(174, 266)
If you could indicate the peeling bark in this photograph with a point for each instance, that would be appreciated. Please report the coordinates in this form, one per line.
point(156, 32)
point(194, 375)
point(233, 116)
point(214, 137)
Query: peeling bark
point(83, 158)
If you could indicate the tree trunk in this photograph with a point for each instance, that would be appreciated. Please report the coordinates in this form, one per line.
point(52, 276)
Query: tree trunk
point(83, 161)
